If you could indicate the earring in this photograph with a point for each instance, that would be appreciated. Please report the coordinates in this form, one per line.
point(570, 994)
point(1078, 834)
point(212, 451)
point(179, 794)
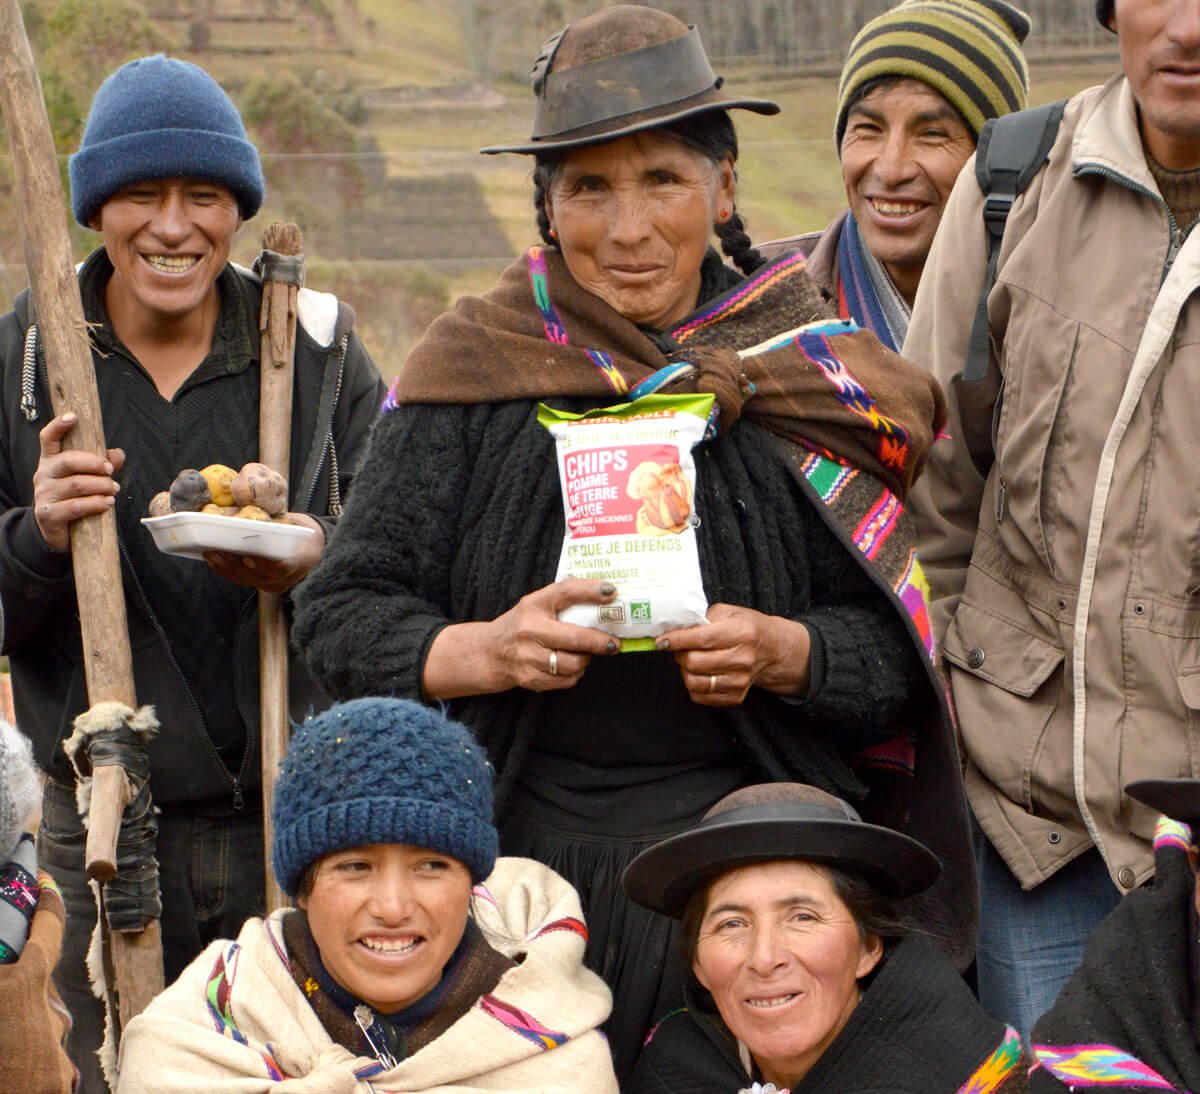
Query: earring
point(724, 214)
point(553, 234)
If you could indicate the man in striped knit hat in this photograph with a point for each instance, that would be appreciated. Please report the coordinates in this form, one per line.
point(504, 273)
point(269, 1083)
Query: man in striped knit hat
point(918, 83)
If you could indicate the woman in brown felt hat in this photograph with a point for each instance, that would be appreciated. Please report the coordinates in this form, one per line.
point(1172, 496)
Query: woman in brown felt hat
point(805, 972)
point(440, 583)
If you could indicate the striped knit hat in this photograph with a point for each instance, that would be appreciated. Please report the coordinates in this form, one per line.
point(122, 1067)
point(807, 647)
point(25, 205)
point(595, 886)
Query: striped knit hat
point(966, 50)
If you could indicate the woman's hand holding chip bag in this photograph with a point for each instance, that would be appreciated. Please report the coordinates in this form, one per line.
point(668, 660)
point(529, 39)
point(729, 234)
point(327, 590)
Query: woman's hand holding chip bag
point(737, 649)
point(526, 647)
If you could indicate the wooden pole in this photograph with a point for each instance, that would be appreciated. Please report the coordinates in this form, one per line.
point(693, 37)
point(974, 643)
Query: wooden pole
point(108, 663)
point(278, 327)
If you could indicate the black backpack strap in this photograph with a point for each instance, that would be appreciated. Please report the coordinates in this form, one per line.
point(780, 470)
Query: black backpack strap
point(1011, 150)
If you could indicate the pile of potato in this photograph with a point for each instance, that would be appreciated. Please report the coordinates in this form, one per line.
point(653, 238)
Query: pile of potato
point(253, 493)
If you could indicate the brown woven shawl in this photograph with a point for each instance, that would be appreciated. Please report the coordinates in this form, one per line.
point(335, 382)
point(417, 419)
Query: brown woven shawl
point(833, 388)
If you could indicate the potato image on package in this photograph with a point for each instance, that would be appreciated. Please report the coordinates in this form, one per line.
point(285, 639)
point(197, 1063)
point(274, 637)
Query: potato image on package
point(666, 497)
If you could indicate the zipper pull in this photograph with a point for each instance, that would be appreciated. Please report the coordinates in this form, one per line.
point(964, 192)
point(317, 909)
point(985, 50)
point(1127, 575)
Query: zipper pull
point(1001, 498)
point(239, 802)
point(1177, 237)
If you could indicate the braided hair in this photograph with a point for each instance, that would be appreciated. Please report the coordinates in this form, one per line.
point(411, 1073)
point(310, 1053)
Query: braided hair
point(713, 136)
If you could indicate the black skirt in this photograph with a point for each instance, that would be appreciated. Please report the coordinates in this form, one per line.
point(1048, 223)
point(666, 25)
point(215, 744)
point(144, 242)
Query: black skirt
point(588, 824)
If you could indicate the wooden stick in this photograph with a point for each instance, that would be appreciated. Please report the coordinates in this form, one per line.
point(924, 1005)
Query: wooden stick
point(108, 663)
point(278, 327)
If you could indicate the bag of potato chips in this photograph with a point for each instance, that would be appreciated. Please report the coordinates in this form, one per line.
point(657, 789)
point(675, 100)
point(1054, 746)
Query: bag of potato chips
point(629, 487)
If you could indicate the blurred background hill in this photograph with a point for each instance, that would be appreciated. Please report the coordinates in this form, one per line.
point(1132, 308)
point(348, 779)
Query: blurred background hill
point(369, 115)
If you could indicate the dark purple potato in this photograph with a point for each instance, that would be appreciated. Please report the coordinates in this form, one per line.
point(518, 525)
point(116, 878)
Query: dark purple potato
point(189, 492)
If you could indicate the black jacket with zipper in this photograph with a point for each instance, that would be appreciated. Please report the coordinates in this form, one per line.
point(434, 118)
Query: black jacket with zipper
point(337, 396)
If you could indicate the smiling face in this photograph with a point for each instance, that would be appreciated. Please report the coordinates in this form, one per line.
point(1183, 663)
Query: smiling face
point(633, 218)
point(902, 150)
point(386, 919)
point(168, 241)
point(1160, 53)
point(782, 955)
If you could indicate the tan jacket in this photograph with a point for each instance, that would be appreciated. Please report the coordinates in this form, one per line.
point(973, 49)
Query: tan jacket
point(236, 1023)
point(1067, 581)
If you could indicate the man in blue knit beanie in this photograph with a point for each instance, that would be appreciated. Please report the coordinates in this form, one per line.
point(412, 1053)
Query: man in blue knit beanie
point(166, 174)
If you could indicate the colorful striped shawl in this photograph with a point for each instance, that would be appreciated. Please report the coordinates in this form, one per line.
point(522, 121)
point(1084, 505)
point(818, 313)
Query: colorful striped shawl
point(994, 1072)
point(1099, 1066)
point(871, 516)
point(539, 335)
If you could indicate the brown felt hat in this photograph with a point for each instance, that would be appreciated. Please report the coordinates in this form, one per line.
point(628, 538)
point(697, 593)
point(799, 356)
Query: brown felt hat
point(617, 71)
point(1178, 799)
point(769, 823)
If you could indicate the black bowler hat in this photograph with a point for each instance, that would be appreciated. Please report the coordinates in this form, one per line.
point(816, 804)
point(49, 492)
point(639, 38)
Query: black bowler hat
point(618, 71)
point(1178, 799)
point(769, 823)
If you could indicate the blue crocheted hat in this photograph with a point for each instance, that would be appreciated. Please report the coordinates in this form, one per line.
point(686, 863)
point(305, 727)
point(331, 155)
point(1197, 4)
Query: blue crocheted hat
point(382, 771)
point(157, 118)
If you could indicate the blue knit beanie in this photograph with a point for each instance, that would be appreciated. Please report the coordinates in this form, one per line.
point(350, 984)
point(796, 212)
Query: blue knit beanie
point(157, 118)
point(382, 771)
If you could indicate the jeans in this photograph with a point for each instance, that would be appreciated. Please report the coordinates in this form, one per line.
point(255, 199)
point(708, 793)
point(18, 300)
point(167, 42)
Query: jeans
point(1031, 942)
point(212, 878)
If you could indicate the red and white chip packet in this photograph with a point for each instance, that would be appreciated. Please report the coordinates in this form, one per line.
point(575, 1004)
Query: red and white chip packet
point(629, 489)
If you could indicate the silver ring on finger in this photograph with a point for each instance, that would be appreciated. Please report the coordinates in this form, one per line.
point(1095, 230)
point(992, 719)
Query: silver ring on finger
point(553, 669)
point(712, 682)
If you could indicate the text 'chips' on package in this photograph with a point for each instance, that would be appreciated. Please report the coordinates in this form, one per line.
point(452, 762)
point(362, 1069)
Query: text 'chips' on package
point(629, 487)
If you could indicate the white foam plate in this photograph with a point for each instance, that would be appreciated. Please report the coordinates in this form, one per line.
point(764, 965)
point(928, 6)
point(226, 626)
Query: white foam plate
point(191, 534)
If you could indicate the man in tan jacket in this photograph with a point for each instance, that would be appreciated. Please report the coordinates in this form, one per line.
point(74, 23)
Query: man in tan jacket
point(1060, 519)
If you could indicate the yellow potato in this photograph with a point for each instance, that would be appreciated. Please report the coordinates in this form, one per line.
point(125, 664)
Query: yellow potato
point(220, 479)
point(253, 512)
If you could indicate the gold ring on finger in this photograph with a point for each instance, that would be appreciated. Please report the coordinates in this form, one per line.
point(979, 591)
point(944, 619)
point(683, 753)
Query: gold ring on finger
point(712, 682)
point(553, 670)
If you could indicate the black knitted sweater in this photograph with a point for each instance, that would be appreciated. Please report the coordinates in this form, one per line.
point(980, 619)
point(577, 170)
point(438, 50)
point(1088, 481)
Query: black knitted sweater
point(457, 514)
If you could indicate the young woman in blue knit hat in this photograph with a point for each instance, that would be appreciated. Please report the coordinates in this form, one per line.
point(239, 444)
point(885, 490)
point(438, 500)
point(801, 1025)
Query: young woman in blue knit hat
point(166, 174)
point(415, 960)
